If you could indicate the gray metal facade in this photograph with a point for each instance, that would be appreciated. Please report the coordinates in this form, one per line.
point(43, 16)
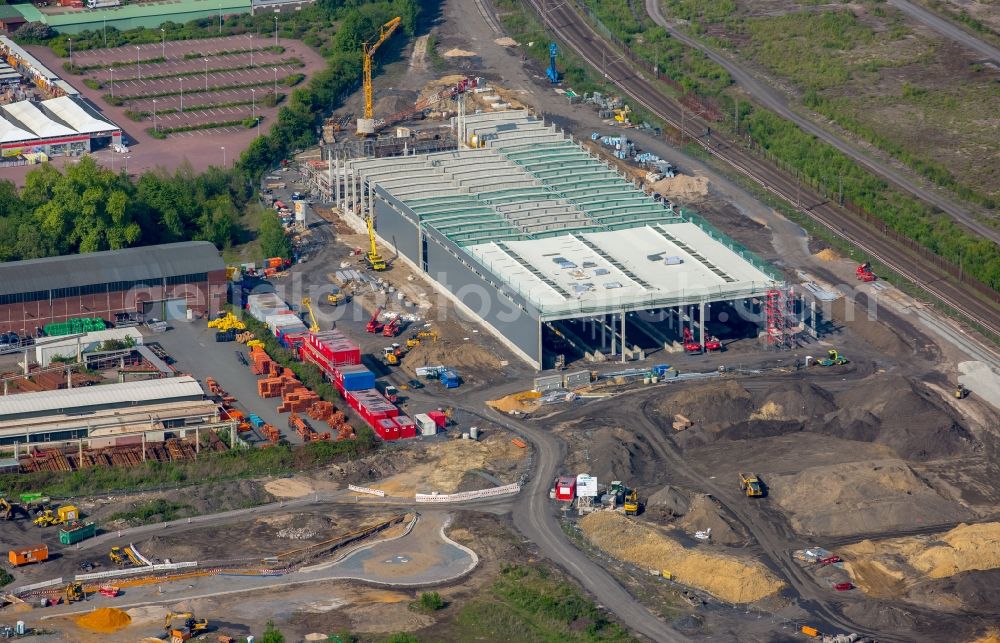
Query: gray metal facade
point(473, 285)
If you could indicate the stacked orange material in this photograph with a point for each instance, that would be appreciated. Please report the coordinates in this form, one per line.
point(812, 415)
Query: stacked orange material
point(299, 400)
point(271, 433)
point(321, 410)
point(262, 364)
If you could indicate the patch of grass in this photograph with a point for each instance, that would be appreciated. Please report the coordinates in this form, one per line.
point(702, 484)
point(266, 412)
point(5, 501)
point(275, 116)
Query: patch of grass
point(290, 62)
point(153, 511)
point(93, 83)
point(429, 602)
point(433, 55)
point(163, 132)
point(291, 80)
point(5, 577)
point(531, 601)
point(119, 100)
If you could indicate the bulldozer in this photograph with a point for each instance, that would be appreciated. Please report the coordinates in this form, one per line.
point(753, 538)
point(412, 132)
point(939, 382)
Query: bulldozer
point(74, 592)
point(631, 504)
point(751, 485)
point(192, 626)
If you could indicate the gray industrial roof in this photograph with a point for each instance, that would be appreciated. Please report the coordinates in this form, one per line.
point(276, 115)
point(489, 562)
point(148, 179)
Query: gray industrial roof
point(130, 264)
point(170, 388)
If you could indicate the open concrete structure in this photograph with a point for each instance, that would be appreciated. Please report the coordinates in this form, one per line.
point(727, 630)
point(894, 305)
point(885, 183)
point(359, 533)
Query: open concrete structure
point(546, 244)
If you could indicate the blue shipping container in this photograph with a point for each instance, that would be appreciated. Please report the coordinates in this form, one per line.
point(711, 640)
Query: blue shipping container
point(358, 380)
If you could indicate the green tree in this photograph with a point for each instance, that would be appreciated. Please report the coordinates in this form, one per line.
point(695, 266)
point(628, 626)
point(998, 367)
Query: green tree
point(273, 240)
point(272, 635)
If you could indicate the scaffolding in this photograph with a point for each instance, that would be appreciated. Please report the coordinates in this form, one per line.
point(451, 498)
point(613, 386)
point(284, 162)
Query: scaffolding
point(780, 312)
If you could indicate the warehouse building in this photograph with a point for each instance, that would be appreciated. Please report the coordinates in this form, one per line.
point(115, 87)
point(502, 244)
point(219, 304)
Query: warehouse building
point(549, 245)
point(165, 282)
point(130, 16)
point(133, 412)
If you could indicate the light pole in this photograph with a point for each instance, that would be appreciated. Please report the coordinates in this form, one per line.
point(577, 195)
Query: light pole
point(155, 127)
point(105, 33)
point(253, 103)
point(220, 18)
point(182, 94)
point(206, 74)
point(138, 71)
point(251, 50)
point(163, 43)
point(275, 30)
point(275, 83)
point(223, 156)
point(70, 51)
point(126, 163)
point(112, 70)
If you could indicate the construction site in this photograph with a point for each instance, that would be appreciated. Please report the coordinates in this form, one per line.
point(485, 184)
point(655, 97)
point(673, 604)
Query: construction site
point(523, 343)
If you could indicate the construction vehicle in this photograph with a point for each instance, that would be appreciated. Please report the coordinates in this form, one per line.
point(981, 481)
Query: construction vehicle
point(124, 557)
point(621, 115)
point(427, 334)
point(10, 511)
point(366, 125)
point(66, 513)
point(551, 71)
point(391, 393)
point(192, 626)
point(713, 343)
point(691, 347)
point(393, 328)
point(864, 273)
point(413, 341)
point(74, 592)
point(751, 485)
point(374, 325)
point(374, 259)
point(632, 503)
point(833, 358)
point(313, 324)
point(389, 356)
point(338, 296)
point(961, 392)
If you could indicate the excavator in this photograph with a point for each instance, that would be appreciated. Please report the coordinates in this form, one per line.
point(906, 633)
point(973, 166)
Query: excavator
point(374, 325)
point(338, 296)
point(631, 504)
point(74, 592)
point(11, 511)
point(192, 626)
point(393, 328)
point(313, 324)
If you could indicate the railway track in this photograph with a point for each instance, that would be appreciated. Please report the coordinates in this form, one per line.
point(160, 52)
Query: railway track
point(564, 21)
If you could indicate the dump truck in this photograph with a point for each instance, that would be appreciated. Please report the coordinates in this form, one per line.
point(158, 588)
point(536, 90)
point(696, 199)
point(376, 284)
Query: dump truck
point(27, 555)
point(751, 485)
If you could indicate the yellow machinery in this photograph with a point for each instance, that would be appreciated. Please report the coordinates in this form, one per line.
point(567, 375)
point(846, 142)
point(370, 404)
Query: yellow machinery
point(751, 485)
point(226, 322)
point(313, 324)
point(375, 260)
point(632, 503)
point(621, 115)
point(961, 392)
point(366, 125)
point(124, 557)
point(427, 334)
point(338, 296)
point(192, 626)
point(117, 557)
point(66, 513)
point(10, 511)
point(74, 592)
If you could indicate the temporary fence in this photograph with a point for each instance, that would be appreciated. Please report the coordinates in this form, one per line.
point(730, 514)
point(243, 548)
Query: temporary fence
point(42, 585)
point(117, 573)
point(373, 492)
point(469, 495)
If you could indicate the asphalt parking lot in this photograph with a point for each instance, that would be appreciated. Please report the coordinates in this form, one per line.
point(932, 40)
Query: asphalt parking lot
point(193, 346)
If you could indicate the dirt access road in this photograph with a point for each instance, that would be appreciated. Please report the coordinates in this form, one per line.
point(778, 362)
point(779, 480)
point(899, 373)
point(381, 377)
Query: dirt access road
point(948, 30)
point(773, 100)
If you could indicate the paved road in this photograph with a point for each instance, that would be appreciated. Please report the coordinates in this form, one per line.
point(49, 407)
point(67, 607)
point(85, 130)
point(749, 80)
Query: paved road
point(776, 102)
point(948, 29)
point(568, 25)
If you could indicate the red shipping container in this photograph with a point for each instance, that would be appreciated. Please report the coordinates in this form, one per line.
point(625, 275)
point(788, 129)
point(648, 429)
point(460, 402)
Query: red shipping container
point(407, 427)
point(440, 419)
point(387, 429)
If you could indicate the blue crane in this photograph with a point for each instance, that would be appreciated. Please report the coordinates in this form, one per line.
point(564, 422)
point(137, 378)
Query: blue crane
point(552, 72)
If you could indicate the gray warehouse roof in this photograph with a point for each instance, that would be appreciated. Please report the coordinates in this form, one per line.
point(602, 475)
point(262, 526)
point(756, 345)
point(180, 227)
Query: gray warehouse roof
point(131, 264)
point(171, 388)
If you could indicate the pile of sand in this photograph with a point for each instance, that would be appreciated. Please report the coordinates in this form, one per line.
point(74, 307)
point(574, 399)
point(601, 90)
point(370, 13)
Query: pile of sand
point(860, 497)
point(105, 620)
point(706, 513)
point(525, 402)
point(896, 567)
point(683, 188)
point(728, 578)
point(458, 53)
point(506, 41)
point(459, 355)
point(798, 401)
point(827, 254)
point(147, 614)
point(288, 488)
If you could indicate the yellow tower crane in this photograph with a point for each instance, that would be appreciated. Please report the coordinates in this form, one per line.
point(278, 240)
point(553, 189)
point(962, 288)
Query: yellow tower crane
point(307, 304)
point(366, 125)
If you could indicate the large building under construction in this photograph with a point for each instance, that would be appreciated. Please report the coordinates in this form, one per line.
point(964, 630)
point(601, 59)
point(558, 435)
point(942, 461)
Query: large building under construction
point(553, 249)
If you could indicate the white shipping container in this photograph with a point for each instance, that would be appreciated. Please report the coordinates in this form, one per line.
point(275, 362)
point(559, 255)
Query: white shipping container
point(427, 425)
point(281, 319)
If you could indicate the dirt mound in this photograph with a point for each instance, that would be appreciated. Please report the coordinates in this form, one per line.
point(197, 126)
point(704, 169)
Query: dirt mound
point(105, 620)
point(458, 53)
point(899, 414)
point(288, 488)
point(964, 548)
point(466, 357)
point(669, 502)
point(989, 636)
point(976, 591)
point(683, 187)
point(705, 513)
point(827, 254)
point(726, 577)
point(711, 407)
point(799, 401)
point(860, 497)
point(615, 453)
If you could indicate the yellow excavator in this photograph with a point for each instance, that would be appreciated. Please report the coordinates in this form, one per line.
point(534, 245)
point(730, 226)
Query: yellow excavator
point(338, 296)
point(192, 626)
point(10, 511)
point(307, 304)
point(366, 125)
point(632, 503)
point(74, 592)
